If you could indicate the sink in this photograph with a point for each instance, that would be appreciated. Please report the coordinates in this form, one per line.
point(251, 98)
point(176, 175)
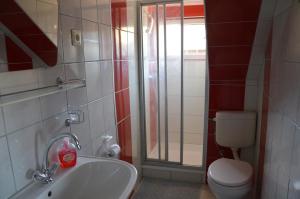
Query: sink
point(91, 178)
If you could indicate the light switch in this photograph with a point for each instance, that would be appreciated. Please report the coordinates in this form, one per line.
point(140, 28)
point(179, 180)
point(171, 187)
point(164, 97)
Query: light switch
point(76, 37)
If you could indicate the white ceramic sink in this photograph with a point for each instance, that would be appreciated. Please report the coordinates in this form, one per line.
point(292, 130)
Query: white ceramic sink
point(91, 178)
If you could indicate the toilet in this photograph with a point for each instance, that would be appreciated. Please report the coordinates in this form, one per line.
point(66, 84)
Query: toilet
point(232, 178)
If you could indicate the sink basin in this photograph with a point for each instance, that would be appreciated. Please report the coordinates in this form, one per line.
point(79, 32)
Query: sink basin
point(91, 178)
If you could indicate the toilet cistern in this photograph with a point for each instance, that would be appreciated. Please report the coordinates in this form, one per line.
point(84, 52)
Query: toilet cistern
point(45, 174)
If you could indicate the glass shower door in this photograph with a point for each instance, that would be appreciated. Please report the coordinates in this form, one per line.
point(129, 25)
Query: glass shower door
point(164, 64)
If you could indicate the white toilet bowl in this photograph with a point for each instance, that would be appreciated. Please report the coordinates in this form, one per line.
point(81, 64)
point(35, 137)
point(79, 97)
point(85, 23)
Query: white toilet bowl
point(230, 179)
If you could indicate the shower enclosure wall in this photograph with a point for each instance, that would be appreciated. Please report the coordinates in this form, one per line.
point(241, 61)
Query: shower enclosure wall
point(173, 83)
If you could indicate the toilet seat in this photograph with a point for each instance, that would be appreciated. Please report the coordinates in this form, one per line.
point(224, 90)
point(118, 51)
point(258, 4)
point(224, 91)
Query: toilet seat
point(229, 172)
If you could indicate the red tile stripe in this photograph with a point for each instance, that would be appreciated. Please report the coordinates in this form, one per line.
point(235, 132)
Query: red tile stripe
point(121, 77)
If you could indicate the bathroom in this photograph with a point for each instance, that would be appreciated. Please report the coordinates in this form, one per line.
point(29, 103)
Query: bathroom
point(138, 99)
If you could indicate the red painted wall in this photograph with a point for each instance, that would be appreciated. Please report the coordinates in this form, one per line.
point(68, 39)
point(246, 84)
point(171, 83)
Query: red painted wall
point(231, 26)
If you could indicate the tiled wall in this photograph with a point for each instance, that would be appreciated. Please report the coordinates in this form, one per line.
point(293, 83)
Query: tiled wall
point(257, 88)
point(26, 127)
point(231, 27)
point(126, 79)
point(281, 166)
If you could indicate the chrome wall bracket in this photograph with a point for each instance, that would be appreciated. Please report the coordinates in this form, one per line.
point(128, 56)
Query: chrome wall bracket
point(75, 117)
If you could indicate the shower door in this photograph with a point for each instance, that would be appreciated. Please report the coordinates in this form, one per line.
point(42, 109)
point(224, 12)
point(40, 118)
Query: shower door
point(164, 79)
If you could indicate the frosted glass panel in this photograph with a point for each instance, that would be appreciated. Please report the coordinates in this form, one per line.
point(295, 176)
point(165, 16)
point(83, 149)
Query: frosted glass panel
point(150, 79)
point(194, 90)
point(173, 49)
point(174, 84)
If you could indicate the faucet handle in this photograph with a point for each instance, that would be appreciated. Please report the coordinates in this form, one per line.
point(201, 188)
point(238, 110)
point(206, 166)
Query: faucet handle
point(45, 175)
point(42, 176)
point(53, 169)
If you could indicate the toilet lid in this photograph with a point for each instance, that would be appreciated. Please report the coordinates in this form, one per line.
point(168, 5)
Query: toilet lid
point(230, 172)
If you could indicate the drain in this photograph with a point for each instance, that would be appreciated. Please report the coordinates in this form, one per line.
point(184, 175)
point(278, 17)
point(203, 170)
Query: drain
point(49, 193)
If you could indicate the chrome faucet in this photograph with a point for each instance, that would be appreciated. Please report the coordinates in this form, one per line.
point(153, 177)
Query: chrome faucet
point(45, 174)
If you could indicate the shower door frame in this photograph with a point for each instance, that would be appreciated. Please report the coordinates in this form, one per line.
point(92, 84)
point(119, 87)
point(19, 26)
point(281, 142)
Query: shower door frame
point(158, 162)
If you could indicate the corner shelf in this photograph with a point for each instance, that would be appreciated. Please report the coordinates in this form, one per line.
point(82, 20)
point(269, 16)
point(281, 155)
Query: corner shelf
point(22, 96)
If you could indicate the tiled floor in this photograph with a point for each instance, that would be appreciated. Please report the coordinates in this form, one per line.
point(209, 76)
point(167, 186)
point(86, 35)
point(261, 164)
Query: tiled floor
point(192, 153)
point(163, 189)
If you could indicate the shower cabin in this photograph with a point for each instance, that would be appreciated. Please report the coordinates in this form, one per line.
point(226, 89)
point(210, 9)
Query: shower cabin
point(173, 84)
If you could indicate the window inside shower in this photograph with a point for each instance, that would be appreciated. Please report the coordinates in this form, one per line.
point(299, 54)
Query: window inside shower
point(174, 80)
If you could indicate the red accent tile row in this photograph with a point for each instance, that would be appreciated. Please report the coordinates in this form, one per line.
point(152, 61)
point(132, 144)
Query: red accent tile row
point(119, 14)
point(122, 104)
point(121, 75)
point(125, 142)
point(120, 44)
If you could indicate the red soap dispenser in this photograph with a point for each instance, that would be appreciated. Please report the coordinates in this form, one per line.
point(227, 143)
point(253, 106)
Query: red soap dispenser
point(67, 154)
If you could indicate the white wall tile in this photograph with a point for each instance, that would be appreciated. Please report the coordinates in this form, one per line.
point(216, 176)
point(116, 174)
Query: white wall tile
point(86, 150)
point(75, 71)
point(105, 35)
point(70, 7)
point(96, 118)
point(26, 149)
point(93, 80)
point(22, 114)
point(107, 78)
point(91, 40)
point(71, 53)
point(7, 186)
point(53, 104)
point(55, 125)
point(48, 76)
point(134, 100)
point(78, 96)
point(133, 73)
point(18, 81)
point(282, 5)
point(131, 46)
point(2, 127)
point(82, 130)
point(294, 189)
point(293, 43)
point(131, 15)
point(251, 93)
point(89, 10)
point(285, 154)
point(109, 112)
point(104, 12)
point(3, 55)
point(262, 32)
